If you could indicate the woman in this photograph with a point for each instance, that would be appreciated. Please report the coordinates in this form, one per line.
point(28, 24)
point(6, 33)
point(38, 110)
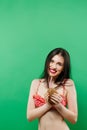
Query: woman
point(53, 97)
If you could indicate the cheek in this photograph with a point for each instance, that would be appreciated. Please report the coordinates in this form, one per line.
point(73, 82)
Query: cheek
point(50, 64)
point(60, 68)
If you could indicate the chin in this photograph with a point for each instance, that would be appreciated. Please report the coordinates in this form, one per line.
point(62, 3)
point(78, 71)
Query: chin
point(53, 75)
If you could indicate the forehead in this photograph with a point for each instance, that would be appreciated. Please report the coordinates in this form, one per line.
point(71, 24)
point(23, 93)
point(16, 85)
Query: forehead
point(58, 58)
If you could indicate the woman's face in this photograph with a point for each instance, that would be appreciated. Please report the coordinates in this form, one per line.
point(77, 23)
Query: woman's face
point(56, 66)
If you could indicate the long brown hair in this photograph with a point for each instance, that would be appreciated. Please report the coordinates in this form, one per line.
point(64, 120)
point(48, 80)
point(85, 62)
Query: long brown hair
point(65, 74)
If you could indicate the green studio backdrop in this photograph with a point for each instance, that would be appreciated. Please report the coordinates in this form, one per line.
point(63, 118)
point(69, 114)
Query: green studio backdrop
point(28, 31)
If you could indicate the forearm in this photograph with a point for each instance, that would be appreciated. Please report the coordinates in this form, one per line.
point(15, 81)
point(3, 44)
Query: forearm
point(38, 112)
point(66, 113)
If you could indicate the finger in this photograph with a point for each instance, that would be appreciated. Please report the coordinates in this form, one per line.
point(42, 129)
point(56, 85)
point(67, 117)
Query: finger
point(53, 101)
point(57, 99)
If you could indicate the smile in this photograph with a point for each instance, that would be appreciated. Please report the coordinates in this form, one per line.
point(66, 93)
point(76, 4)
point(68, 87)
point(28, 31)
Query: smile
point(53, 71)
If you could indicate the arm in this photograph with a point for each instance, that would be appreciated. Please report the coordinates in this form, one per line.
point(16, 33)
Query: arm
point(33, 112)
point(69, 113)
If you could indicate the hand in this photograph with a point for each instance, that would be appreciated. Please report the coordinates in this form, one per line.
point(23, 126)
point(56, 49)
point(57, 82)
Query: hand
point(55, 98)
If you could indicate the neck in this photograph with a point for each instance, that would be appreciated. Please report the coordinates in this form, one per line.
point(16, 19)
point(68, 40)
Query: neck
point(51, 82)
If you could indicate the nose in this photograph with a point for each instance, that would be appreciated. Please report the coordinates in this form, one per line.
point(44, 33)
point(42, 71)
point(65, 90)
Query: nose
point(54, 65)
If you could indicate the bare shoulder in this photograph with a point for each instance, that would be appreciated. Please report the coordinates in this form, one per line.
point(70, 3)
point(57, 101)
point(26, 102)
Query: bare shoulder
point(36, 81)
point(70, 85)
point(69, 82)
point(34, 85)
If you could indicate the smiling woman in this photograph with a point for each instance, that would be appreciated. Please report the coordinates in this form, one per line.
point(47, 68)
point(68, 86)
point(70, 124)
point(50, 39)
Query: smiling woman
point(56, 65)
point(49, 95)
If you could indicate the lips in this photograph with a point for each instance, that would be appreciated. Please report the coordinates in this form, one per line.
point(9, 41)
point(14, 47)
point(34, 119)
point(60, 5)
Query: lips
point(53, 71)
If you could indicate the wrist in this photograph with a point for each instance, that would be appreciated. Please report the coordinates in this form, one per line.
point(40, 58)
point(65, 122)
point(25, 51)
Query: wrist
point(58, 106)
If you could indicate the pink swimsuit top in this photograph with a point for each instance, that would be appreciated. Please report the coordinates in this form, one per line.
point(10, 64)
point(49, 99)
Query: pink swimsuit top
point(39, 101)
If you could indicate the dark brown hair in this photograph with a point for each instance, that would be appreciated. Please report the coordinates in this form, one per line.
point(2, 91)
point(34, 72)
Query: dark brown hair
point(65, 74)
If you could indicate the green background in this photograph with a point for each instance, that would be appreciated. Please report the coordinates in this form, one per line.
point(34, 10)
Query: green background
point(29, 29)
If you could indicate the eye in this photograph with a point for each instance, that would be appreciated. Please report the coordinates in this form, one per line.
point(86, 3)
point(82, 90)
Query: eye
point(60, 64)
